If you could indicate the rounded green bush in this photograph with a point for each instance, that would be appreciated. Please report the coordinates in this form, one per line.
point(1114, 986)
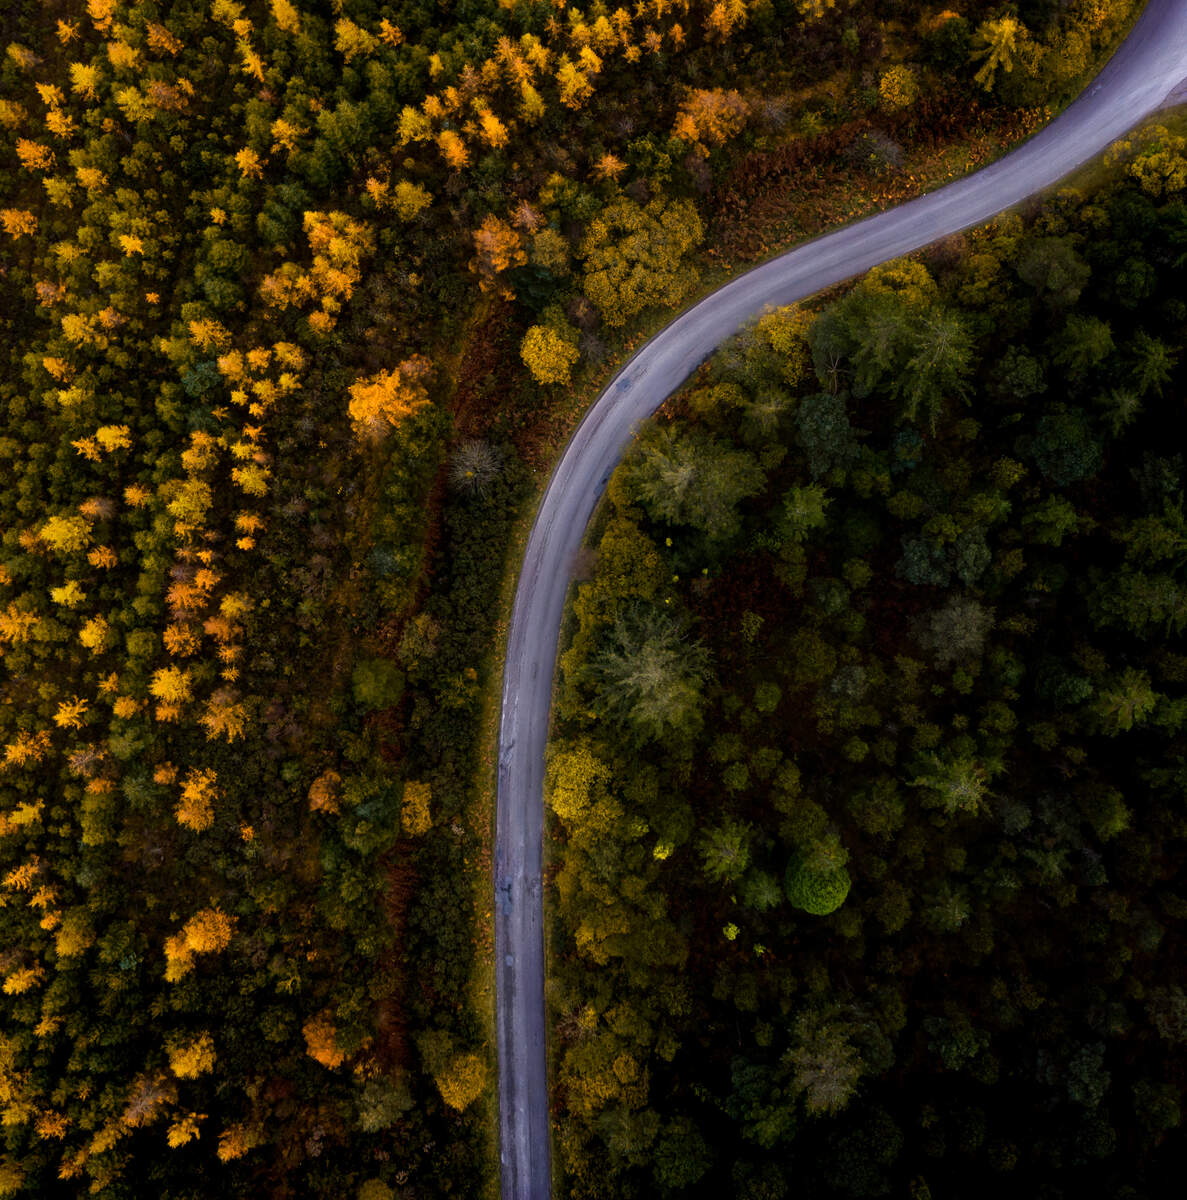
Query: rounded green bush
point(818, 893)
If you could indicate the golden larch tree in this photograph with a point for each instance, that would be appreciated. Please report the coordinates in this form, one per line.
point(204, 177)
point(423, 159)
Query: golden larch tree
point(321, 1041)
point(195, 808)
point(381, 401)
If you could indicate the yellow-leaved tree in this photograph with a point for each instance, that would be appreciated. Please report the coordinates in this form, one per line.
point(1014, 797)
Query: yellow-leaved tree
point(996, 44)
point(18, 222)
point(785, 330)
point(548, 355)
point(462, 1081)
point(191, 1057)
point(171, 685)
point(453, 149)
point(380, 402)
point(634, 256)
point(195, 809)
point(183, 1130)
point(898, 88)
point(353, 41)
point(573, 84)
point(711, 117)
point(206, 932)
point(498, 248)
point(722, 19)
point(225, 715)
point(1156, 158)
point(415, 814)
point(321, 1040)
point(66, 534)
point(573, 775)
point(460, 1075)
point(409, 199)
point(74, 934)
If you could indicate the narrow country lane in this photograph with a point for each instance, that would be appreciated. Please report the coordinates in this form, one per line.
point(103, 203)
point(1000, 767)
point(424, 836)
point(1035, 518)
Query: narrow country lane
point(1146, 70)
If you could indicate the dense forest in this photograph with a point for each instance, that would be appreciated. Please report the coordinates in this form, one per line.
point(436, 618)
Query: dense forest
point(869, 774)
point(290, 294)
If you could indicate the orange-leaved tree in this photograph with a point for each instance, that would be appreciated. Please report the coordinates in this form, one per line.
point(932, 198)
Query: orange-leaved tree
point(709, 117)
point(381, 401)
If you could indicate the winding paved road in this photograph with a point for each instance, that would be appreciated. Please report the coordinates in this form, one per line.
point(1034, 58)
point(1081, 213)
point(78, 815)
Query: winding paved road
point(1146, 72)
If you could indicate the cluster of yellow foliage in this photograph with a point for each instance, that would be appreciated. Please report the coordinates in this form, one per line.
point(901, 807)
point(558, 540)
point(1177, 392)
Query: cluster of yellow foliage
point(498, 248)
point(339, 245)
point(207, 932)
point(380, 402)
point(407, 200)
point(66, 534)
point(74, 934)
point(195, 809)
point(598, 1073)
point(416, 818)
point(906, 278)
point(71, 714)
point(16, 624)
point(1156, 158)
point(462, 1081)
point(997, 44)
point(548, 355)
point(22, 980)
point(225, 715)
point(18, 222)
point(192, 1057)
point(320, 1043)
point(723, 18)
point(786, 331)
point(711, 117)
point(28, 747)
point(183, 1130)
point(634, 256)
point(573, 776)
point(171, 685)
point(898, 88)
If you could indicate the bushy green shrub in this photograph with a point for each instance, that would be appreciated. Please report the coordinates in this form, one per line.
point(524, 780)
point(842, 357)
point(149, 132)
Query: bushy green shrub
point(816, 892)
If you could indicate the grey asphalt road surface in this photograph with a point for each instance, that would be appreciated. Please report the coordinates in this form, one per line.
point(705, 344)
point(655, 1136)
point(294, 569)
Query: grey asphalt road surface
point(1150, 65)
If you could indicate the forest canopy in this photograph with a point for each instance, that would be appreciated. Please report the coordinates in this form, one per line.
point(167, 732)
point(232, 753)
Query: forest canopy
point(868, 773)
point(289, 294)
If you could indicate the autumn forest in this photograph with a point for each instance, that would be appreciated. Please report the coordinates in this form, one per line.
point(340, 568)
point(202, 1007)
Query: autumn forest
point(871, 676)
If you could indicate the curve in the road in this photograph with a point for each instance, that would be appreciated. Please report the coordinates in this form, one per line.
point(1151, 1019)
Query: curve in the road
point(1139, 78)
